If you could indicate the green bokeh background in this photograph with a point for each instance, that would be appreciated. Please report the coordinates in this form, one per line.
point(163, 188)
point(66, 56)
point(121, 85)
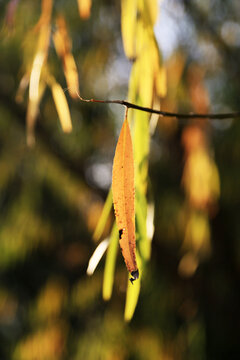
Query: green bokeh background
point(51, 197)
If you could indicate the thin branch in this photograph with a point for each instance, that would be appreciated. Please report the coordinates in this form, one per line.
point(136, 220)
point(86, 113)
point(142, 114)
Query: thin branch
point(162, 113)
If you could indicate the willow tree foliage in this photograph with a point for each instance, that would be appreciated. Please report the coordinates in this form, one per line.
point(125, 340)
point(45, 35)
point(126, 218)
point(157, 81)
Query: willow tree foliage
point(84, 174)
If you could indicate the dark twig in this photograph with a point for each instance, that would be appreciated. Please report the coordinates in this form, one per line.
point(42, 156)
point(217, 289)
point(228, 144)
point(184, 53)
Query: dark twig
point(166, 113)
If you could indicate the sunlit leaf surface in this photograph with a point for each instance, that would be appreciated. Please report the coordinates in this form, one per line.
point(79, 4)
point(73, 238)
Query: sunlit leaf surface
point(123, 196)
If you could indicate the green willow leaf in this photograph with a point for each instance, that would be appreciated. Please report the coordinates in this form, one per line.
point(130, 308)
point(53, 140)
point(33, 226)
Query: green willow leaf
point(144, 244)
point(110, 263)
point(141, 150)
point(104, 217)
point(133, 292)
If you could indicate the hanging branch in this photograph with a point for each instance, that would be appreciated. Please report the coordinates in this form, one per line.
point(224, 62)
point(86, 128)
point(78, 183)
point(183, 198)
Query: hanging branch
point(166, 113)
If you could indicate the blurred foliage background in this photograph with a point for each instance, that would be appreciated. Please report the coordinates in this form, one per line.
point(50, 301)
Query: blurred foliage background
point(51, 195)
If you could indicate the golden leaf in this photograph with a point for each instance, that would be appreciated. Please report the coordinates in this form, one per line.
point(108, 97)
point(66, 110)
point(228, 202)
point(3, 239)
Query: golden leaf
point(84, 8)
point(71, 74)
point(123, 197)
point(46, 13)
point(32, 113)
point(61, 106)
point(63, 48)
point(35, 93)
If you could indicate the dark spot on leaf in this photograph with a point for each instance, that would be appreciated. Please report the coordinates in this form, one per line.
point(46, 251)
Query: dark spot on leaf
point(135, 275)
point(120, 233)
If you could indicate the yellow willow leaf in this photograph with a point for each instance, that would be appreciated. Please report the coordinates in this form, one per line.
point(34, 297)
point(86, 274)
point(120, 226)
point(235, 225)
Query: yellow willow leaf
point(63, 47)
point(22, 88)
point(156, 62)
point(35, 76)
point(59, 43)
point(84, 8)
point(62, 107)
point(45, 14)
point(32, 113)
point(71, 75)
point(128, 24)
point(142, 38)
point(141, 149)
point(39, 59)
point(132, 89)
point(123, 198)
point(151, 11)
point(61, 38)
point(46, 10)
point(34, 81)
point(146, 79)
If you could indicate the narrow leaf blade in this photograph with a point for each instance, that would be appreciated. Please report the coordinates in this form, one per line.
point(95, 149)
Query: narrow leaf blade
point(61, 107)
point(110, 264)
point(123, 196)
point(104, 217)
point(132, 296)
point(128, 22)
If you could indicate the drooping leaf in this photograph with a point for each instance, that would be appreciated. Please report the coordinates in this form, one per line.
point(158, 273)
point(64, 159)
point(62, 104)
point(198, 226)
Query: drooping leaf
point(61, 106)
point(146, 79)
point(128, 22)
point(141, 150)
point(34, 81)
point(84, 8)
point(132, 295)
point(96, 256)
point(110, 264)
point(32, 113)
point(46, 12)
point(63, 46)
point(104, 217)
point(144, 245)
point(142, 37)
point(132, 90)
point(22, 88)
point(38, 63)
point(151, 10)
point(123, 197)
